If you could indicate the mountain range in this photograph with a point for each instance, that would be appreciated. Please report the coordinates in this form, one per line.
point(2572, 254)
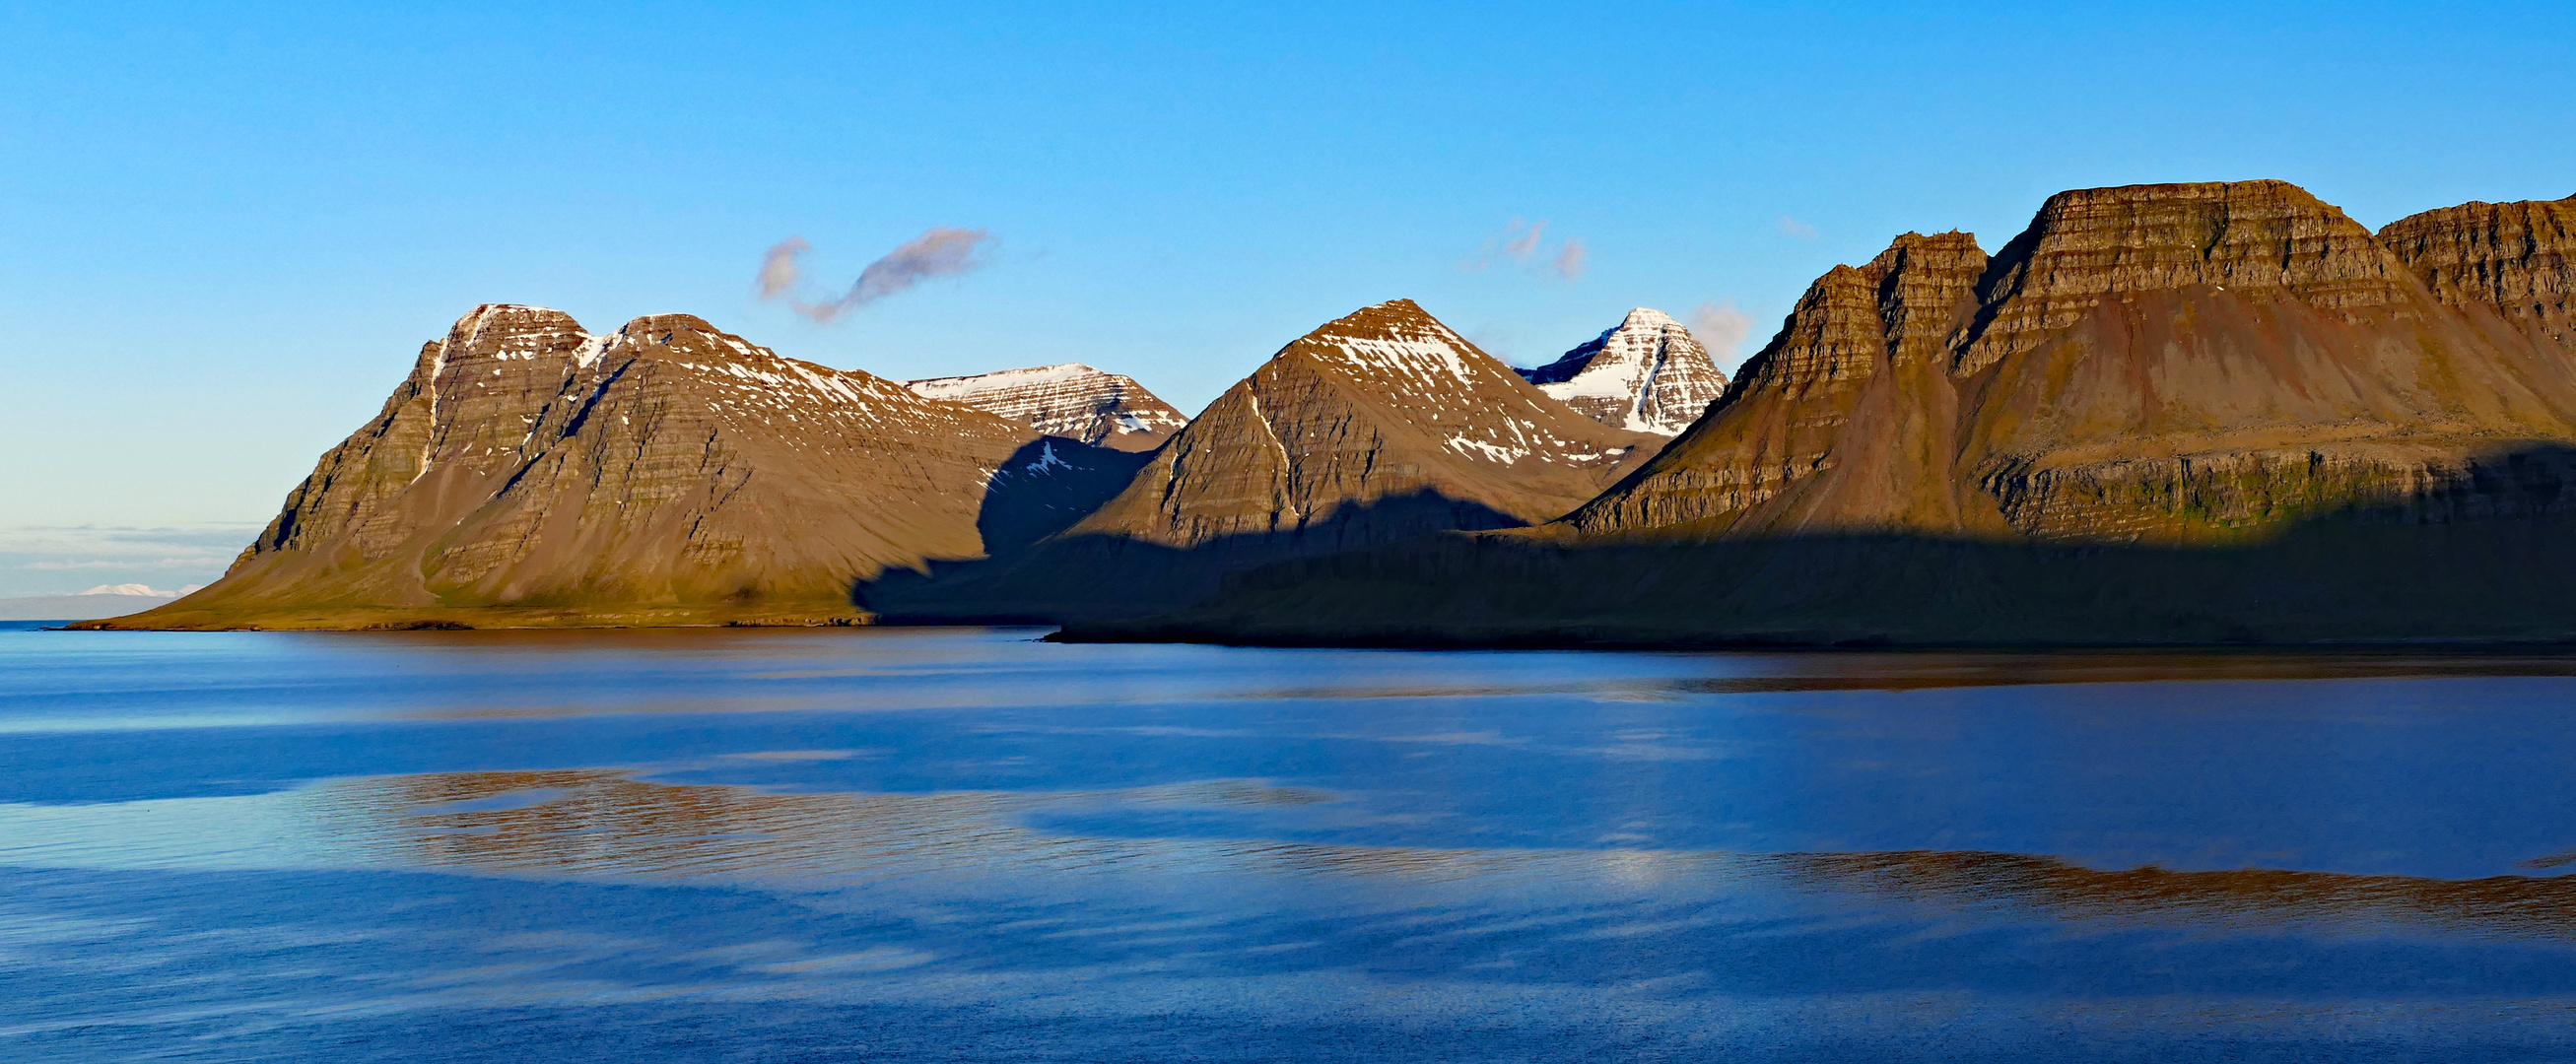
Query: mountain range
point(2196, 412)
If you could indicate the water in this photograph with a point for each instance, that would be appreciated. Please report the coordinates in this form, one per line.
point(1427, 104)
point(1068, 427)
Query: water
point(964, 845)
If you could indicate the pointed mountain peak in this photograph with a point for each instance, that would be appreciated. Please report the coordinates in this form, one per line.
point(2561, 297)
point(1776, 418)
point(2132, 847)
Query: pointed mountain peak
point(1647, 374)
point(1396, 340)
point(1395, 319)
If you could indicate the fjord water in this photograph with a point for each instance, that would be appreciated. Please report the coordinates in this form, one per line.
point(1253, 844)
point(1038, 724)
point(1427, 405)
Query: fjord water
point(965, 844)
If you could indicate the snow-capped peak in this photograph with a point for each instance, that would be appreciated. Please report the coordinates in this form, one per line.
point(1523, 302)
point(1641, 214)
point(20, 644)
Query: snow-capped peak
point(142, 590)
point(1647, 374)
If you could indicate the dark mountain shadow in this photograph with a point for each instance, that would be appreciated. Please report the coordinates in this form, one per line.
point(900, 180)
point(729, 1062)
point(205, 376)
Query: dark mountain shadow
point(1090, 576)
point(2488, 556)
point(1046, 486)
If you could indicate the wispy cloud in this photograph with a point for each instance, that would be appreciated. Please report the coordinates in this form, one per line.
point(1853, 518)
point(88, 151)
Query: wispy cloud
point(937, 252)
point(1797, 228)
point(1568, 263)
point(779, 269)
point(1720, 327)
point(1520, 242)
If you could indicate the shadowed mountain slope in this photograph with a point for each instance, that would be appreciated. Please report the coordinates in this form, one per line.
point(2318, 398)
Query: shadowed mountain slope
point(527, 473)
point(2151, 383)
point(1378, 426)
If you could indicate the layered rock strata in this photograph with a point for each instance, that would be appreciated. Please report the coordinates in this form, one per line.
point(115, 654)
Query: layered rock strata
point(2195, 412)
point(1646, 374)
point(526, 472)
point(2515, 259)
point(2168, 363)
point(1070, 400)
point(1381, 425)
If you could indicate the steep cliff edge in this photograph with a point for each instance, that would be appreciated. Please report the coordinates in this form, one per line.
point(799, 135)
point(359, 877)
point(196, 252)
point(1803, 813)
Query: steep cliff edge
point(2169, 412)
point(2515, 259)
point(528, 473)
point(1646, 374)
point(1071, 400)
point(1378, 426)
point(2163, 363)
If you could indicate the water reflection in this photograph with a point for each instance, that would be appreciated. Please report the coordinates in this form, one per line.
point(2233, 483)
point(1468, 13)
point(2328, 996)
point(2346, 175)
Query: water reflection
point(592, 824)
point(1736, 674)
point(2516, 905)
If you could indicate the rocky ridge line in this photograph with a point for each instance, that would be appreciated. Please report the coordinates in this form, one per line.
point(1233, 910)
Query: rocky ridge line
point(1068, 399)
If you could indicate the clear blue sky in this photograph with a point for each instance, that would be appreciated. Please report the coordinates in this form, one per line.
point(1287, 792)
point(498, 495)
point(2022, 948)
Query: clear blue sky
point(228, 228)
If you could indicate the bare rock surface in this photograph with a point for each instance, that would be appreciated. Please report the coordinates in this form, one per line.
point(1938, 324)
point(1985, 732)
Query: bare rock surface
point(1646, 374)
point(1070, 400)
point(2517, 260)
point(2163, 363)
point(529, 473)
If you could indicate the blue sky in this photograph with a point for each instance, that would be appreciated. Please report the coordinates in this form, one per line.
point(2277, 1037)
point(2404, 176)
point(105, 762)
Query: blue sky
point(228, 228)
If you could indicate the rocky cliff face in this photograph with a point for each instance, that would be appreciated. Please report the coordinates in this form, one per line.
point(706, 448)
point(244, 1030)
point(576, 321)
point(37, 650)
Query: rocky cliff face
point(2163, 363)
point(1857, 379)
point(2517, 260)
point(1070, 400)
point(1646, 375)
point(664, 472)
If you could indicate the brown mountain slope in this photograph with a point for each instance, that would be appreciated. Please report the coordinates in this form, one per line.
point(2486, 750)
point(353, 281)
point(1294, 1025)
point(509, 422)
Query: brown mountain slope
point(2517, 259)
point(1377, 426)
point(2168, 363)
point(2211, 411)
point(1070, 400)
point(526, 473)
point(1383, 403)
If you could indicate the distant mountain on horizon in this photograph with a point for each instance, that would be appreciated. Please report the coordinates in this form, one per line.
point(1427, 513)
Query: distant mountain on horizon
point(1645, 374)
point(1068, 399)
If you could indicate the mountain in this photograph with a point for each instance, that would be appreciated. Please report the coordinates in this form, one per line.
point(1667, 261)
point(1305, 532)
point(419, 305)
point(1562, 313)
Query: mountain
point(141, 590)
point(2516, 260)
point(1070, 400)
point(529, 473)
point(1646, 374)
point(2164, 412)
point(1378, 426)
point(84, 606)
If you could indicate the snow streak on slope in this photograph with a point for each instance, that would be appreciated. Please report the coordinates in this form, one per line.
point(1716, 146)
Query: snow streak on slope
point(1648, 374)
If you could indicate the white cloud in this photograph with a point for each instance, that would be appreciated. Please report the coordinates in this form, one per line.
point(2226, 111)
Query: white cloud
point(1720, 327)
point(1796, 228)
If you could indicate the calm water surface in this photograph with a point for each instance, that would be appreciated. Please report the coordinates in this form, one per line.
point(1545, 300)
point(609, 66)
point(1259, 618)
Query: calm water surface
point(964, 845)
